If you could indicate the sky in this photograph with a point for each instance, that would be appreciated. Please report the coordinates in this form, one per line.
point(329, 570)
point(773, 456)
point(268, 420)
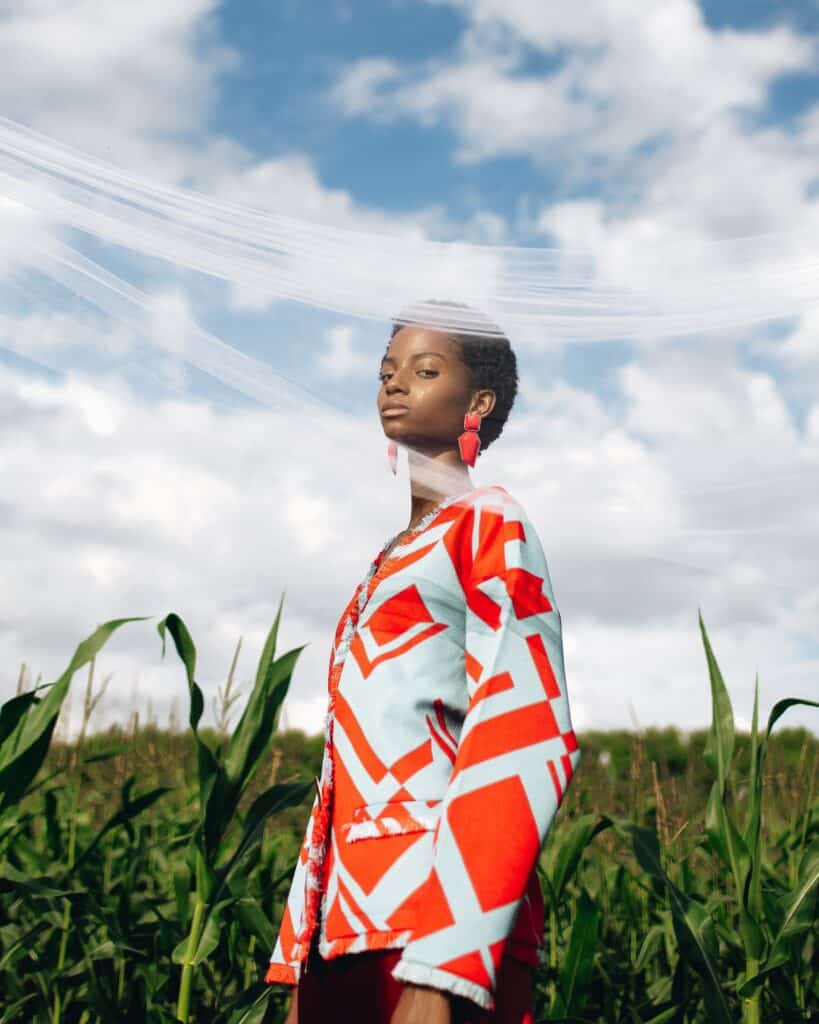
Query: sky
point(663, 478)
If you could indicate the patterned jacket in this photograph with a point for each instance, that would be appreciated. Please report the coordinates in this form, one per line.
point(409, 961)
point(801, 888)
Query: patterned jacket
point(448, 750)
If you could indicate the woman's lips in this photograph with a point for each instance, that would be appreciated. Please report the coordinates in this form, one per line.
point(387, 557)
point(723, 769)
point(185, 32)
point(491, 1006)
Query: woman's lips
point(394, 411)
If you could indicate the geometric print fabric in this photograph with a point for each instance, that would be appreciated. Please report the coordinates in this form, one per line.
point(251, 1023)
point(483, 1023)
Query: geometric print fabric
point(452, 749)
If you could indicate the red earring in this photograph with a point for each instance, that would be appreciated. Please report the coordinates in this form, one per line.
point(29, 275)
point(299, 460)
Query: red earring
point(392, 452)
point(469, 442)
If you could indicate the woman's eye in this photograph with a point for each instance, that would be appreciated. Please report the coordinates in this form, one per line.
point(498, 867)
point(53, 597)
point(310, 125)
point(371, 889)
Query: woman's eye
point(383, 376)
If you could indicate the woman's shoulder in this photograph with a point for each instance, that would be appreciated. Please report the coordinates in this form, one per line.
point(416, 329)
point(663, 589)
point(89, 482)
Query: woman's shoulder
point(496, 496)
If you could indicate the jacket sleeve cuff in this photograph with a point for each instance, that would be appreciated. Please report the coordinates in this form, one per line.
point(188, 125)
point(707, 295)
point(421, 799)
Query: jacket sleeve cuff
point(434, 977)
point(281, 974)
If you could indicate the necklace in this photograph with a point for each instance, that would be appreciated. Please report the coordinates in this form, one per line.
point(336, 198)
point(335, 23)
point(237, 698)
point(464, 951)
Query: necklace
point(423, 522)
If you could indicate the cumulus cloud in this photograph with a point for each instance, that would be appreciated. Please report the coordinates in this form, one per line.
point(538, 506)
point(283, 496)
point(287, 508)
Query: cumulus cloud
point(117, 504)
point(341, 357)
point(625, 77)
point(128, 87)
point(161, 66)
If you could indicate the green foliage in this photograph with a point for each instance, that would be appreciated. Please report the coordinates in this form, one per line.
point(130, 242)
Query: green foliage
point(143, 873)
point(99, 904)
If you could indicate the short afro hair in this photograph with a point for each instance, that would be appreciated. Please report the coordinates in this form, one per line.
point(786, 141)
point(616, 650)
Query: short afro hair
point(488, 357)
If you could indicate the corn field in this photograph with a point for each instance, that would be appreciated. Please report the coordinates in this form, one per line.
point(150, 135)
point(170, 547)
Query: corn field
point(143, 871)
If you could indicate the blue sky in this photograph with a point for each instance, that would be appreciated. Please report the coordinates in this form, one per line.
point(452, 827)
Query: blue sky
point(662, 478)
point(292, 54)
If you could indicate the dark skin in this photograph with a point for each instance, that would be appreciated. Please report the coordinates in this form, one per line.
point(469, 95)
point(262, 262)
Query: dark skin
point(435, 387)
point(423, 370)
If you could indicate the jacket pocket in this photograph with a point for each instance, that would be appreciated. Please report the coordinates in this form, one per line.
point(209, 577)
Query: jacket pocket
point(392, 818)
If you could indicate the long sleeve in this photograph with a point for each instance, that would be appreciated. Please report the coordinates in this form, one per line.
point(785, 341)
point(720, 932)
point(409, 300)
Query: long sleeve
point(515, 758)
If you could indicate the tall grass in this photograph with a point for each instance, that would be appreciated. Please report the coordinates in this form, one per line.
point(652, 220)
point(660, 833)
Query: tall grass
point(142, 872)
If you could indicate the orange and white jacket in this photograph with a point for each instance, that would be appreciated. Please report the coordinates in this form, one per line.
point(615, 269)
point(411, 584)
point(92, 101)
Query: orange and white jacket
point(449, 748)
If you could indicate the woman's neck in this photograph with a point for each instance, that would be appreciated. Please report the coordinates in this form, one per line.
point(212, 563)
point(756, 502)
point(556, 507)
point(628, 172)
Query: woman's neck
point(433, 480)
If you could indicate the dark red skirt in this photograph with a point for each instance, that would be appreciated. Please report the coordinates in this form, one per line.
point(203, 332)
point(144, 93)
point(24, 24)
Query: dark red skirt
point(359, 988)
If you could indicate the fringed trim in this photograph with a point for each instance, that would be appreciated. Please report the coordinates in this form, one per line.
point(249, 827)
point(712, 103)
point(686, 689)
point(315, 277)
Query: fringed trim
point(378, 827)
point(434, 977)
point(368, 942)
point(315, 859)
point(281, 974)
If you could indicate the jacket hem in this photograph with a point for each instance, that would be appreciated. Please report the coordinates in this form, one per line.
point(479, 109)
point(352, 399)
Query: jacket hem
point(281, 974)
point(434, 977)
point(365, 942)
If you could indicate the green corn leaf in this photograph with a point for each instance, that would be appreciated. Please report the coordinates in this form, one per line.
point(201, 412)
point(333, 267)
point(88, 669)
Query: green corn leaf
point(12, 1012)
point(208, 940)
point(52, 822)
point(253, 917)
point(719, 747)
point(578, 836)
point(799, 915)
point(278, 798)
point(653, 940)
point(103, 755)
point(752, 909)
point(219, 807)
point(725, 839)
point(249, 1007)
point(210, 936)
point(253, 736)
point(13, 710)
point(211, 781)
point(799, 904)
point(23, 749)
point(186, 650)
point(19, 883)
point(752, 824)
point(692, 923)
point(779, 709)
point(670, 1013)
point(182, 891)
point(254, 1014)
point(128, 810)
point(753, 937)
point(180, 951)
point(579, 961)
point(269, 649)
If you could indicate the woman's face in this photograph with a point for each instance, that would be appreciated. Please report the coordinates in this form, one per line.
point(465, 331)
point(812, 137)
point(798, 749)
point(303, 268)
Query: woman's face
point(423, 372)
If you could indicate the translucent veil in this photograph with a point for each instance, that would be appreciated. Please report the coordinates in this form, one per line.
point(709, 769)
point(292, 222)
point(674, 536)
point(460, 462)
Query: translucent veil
point(77, 230)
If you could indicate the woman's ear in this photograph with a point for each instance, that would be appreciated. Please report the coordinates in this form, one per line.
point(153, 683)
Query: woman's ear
point(484, 402)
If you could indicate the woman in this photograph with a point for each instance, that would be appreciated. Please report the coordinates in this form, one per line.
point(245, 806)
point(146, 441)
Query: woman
point(449, 744)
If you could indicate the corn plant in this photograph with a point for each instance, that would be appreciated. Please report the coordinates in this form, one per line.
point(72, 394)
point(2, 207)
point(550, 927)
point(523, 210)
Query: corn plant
point(751, 938)
point(225, 842)
point(93, 918)
point(140, 881)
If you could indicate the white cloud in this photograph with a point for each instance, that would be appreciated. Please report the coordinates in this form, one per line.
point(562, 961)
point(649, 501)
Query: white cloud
point(143, 508)
point(161, 66)
point(627, 75)
point(341, 358)
point(686, 392)
point(800, 349)
point(118, 80)
point(115, 505)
